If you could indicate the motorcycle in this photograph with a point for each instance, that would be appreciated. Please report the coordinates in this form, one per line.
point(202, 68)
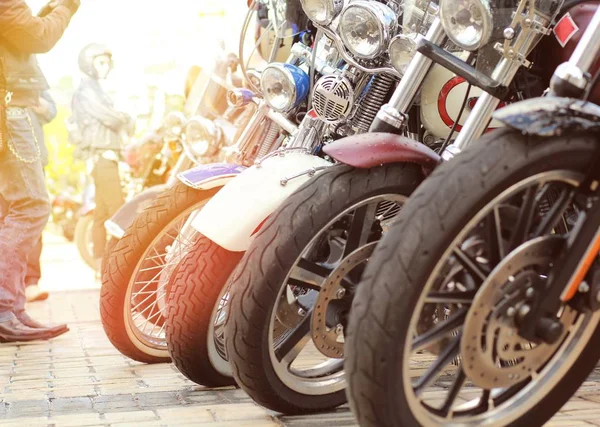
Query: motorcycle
point(343, 212)
point(496, 307)
point(136, 272)
point(64, 212)
point(146, 164)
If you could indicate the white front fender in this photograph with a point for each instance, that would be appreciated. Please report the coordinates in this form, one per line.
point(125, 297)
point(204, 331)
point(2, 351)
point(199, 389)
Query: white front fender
point(233, 214)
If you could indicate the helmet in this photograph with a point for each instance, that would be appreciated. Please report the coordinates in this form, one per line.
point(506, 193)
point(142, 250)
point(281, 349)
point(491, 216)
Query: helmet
point(87, 55)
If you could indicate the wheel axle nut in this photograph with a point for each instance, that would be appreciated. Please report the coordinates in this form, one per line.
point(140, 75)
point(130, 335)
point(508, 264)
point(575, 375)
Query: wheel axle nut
point(340, 293)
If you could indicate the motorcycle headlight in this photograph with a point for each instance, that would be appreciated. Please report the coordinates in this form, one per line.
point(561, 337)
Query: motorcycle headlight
point(174, 122)
point(468, 23)
point(201, 136)
point(322, 11)
point(366, 27)
point(283, 86)
point(402, 49)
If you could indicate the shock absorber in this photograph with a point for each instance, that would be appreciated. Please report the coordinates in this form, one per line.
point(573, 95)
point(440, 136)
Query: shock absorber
point(372, 101)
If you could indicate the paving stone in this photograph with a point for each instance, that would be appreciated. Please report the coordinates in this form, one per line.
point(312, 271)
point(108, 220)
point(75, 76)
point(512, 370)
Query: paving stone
point(154, 399)
point(238, 411)
point(71, 405)
point(75, 420)
point(123, 417)
point(122, 402)
point(28, 408)
point(199, 414)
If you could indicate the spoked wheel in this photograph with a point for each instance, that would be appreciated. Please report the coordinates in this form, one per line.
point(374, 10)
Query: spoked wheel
point(434, 328)
point(291, 296)
point(84, 239)
point(137, 272)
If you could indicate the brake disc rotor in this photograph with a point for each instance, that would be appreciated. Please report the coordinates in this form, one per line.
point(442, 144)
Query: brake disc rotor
point(493, 353)
point(328, 339)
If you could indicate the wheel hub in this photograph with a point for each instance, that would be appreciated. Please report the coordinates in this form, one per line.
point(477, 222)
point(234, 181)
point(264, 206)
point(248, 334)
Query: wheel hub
point(493, 353)
point(328, 338)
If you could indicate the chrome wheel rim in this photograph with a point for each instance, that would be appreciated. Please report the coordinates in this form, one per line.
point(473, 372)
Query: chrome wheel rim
point(145, 301)
point(441, 393)
point(336, 254)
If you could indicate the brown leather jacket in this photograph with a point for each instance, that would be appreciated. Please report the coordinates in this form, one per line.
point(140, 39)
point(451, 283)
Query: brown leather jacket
point(22, 35)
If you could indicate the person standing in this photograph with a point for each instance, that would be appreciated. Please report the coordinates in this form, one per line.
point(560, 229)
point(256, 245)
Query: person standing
point(43, 113)
point(40, 115)
point(22, 183)
point(101, 129)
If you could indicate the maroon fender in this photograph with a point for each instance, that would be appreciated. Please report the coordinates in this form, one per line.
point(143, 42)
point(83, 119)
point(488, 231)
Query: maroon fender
point(375, 149)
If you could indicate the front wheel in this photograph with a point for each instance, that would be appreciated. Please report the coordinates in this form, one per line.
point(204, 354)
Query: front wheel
point(290, 297)
point(196, 313)
point(136, 273)
point(84, 239)
point(433, 338)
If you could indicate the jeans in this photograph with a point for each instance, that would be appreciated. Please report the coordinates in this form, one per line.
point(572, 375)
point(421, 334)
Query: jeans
point(109, 198)
point(23, 187)
point(34, 267)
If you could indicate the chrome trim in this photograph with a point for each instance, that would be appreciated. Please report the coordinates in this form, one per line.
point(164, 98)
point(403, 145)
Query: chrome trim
point(279, 67)
point(334, 7)
point(485, 36)
point(339, 44)
point(385, 17)
point(418, 67)
point(113, 229)
point(282, 121)
point(310, 172)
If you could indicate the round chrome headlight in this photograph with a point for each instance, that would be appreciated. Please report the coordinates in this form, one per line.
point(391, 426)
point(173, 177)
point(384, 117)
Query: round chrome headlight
point(322, 11)
point(283, 86)
point(468, 23)
point(366, 27)
point(402, 50)
point(201, 136)
point(174, 122)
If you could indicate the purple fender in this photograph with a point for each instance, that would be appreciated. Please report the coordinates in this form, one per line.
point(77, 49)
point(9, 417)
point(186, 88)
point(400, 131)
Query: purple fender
point(204, 177)
point(375, 149)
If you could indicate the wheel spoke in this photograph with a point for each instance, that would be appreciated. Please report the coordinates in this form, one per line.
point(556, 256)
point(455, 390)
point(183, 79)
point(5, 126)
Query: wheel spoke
point(449, 353)
point(308, 274)
point(524, 218)
point(496, 251)
point(462, 297)
point(291, 346)
point(457, 384)
point(439, 331)
point(360, 227)
point(555, 213)
point(471, 266)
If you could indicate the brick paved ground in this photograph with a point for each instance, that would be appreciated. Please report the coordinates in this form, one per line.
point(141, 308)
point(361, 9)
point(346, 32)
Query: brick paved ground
point(79, 379)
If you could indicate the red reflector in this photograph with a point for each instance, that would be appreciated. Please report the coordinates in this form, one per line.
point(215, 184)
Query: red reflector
point(565, 29)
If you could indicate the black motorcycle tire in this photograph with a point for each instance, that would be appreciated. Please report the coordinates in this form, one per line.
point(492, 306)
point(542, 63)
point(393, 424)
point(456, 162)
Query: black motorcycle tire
point(122, 263)
point(404, 259)
point(196, 287)
point(256, 284)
